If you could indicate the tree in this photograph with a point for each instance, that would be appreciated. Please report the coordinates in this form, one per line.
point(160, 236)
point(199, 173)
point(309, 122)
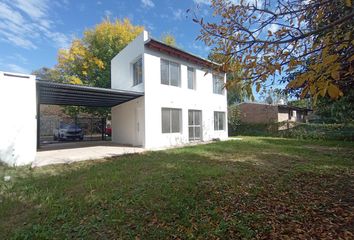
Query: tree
point(169, 39)
point(270, 40)
point(339, 111)
point(302, 103)
point(47, 74)
point(237, 91)
point(275, 96)
point(234, 118)
point(88, 60)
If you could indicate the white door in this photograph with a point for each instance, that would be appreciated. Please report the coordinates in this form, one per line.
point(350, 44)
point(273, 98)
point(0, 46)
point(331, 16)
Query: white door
point(195, 125)
point(139, 135)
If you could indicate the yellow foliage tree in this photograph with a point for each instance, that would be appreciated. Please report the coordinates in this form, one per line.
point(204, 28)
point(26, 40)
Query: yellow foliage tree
point(169, 39)
point(87, 60)
point(310, 40)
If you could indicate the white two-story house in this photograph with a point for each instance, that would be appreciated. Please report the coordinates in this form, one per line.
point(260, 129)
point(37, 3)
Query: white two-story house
point(183, 102)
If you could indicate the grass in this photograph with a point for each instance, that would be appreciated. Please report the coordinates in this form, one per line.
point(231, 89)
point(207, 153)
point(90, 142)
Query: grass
point(259, 187)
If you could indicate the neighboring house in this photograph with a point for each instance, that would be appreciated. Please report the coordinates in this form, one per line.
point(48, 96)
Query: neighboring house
point(267, 113)
point(181, 103)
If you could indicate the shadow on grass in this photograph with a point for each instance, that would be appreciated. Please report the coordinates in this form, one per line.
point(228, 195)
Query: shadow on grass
point(190, 192)
point(128, 190)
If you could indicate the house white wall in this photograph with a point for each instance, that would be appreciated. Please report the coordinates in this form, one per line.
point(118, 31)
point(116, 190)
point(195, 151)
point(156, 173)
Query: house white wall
point(18, 125)
point(159, 96)
point(122, 65)
point(128, 118)
point(127, 124)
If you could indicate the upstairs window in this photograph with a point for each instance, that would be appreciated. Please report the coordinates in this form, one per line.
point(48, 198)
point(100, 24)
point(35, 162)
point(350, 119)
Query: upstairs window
point(219, 121)
point(171, 120)
point(218, 84)
point(138, 72)
point(191, 78)
point(170, 73)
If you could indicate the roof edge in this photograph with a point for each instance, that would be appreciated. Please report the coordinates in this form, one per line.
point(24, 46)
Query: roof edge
point(179, 53)
point(88, 88)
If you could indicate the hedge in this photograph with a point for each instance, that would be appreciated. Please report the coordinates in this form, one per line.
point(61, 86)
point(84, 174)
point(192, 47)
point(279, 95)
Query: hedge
point(298, 130)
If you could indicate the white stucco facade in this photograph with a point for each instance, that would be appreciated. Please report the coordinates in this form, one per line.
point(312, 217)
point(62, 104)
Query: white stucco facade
point(145, 113)
point(137, 122)
point(18, 128)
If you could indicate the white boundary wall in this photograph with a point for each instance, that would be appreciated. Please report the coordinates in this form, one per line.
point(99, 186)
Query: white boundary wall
point(18, 124)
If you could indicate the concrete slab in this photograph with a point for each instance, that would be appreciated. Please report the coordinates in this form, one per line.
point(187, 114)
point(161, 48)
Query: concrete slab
point(70, 152)
point(80, 151)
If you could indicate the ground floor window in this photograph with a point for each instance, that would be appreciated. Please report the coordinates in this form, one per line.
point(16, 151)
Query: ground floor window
point(219, 121)
point(171, 120)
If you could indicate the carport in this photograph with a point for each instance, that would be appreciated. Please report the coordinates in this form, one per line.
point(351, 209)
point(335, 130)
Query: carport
point(52, 93)
point(21, 97)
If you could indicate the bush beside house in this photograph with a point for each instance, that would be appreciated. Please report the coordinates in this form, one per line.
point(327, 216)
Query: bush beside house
point(298, 130)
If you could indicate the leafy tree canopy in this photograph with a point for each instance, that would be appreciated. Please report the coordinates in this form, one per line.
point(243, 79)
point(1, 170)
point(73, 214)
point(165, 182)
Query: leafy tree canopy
point(169, 39)
point(45, 73)
point(336, 111)
point(269, 38)
point(88, 60)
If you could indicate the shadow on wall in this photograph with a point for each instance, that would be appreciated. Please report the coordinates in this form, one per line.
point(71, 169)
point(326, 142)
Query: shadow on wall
point(7, 155)
point(176, 140)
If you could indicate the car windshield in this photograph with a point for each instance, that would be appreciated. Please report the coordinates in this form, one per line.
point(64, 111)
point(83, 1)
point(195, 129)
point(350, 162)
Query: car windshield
point(64, 125)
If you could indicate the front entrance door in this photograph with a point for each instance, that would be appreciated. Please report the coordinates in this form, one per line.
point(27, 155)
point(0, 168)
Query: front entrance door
point(195, 125)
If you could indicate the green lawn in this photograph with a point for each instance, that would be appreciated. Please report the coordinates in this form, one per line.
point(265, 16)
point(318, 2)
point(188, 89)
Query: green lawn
point(255, 188)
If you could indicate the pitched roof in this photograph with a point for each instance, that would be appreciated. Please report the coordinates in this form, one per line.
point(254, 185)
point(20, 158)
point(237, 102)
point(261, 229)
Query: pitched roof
point(176, 52)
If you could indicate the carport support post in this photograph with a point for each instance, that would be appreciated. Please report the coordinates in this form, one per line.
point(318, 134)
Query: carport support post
point(38, 119)
point(103, 128)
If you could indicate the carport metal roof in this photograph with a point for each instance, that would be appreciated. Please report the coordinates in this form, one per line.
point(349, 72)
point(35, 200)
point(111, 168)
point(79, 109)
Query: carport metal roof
point(52, 93)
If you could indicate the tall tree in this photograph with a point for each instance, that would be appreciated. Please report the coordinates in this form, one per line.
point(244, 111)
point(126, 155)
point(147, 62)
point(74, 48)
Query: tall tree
point(340, 111)
point(237, 91)
point(47, 74)
point(88, 60)
point(280, 38)
point(169, 39)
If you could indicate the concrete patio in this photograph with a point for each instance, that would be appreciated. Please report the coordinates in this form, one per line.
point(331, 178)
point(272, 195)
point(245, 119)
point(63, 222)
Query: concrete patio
point(71, 152)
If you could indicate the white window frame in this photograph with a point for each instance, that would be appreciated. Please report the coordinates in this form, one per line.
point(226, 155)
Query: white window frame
point(169, 72)
point(217, 122)
point(194, 80)
point(170, 120)
point(218, 84)
point(139, 81)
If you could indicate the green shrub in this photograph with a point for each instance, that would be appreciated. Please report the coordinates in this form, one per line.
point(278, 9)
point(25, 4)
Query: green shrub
point(234, 117)
point(298, 130)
